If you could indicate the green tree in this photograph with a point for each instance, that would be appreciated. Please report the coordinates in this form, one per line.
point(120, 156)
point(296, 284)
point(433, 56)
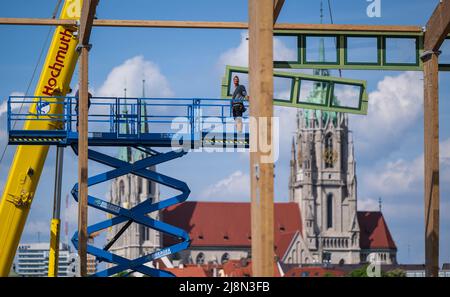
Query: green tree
point(360, 272)
point(395, 273)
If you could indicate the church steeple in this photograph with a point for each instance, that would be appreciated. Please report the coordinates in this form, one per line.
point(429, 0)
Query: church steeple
point(144, 124)
point(293, 171)
point(125, 153)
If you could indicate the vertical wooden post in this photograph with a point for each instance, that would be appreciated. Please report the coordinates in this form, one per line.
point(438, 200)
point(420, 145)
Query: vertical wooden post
point(83, 160)
point(261, 112)
point(431, 158)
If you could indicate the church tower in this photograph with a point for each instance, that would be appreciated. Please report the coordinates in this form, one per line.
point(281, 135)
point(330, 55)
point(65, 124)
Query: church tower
point(128, 191)
point(323, 180)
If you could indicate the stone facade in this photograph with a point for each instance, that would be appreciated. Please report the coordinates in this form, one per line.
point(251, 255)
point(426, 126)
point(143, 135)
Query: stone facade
point(323, 184)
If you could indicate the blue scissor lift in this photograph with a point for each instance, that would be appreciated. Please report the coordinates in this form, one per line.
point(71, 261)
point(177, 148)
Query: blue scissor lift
point(175, 125)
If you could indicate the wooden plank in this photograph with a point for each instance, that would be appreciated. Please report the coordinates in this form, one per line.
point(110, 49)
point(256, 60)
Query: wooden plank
point(36, 22)
point(83, 162)
point(261, 112)
point(214, 25)
point(431, 158)
point(86, 20)
point(438, 27)
point(277, 6)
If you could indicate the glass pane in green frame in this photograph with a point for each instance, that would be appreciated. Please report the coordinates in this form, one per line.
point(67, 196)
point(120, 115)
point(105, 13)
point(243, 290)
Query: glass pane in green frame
point(313, 92)
point(362, 50)
point(286, 48)
point(282, 88)
point(243, 80)
point(345, 95)
point(321, 49)
point(401, 51)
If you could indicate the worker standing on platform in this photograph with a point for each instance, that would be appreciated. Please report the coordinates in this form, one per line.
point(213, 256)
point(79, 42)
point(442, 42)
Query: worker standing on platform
point(76, 104)
point(237, 102)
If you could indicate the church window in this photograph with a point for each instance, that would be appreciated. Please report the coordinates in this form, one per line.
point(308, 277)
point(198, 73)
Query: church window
point(329, 152)
point(200, 259)
point(145, 233)
point(330, 211)
point(225, 258)
point(121, 189)
point(139, 185)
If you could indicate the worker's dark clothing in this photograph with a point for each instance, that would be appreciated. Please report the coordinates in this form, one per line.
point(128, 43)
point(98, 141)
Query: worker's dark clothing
point(237, 101)
point(76, 104)
point(77, 99)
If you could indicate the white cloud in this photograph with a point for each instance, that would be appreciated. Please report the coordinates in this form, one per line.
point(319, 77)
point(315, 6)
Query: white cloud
point(394, 107)
point(406, 176)
point(235, 186)
point(238, 56)
point(367, 204)
point(130, 75)
point(4, 104)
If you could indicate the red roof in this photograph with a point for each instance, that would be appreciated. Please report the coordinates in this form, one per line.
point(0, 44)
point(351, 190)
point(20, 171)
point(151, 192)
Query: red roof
point(284, 240)
point(235, 268)
point(313, 272)
point(227, 223)
point(374, 231)
point(188, 271)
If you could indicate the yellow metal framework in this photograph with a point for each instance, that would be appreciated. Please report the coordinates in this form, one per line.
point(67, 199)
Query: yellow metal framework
point(29, 161)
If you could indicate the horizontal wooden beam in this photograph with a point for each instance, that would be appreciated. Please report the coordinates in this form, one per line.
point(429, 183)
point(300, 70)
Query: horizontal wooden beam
point(211, 25)
point(36, 22)
point(438, 27)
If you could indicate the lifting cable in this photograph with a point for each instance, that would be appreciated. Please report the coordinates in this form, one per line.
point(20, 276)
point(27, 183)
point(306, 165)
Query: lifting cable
point(330, 11)
point(44, 46)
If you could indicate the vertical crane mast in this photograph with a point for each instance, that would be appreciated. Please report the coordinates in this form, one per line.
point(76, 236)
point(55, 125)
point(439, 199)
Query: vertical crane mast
point(29, 161)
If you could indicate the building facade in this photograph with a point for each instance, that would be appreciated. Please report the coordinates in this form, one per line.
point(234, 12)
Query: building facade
point(32, 260)
point(324, 185)
point(128, 191)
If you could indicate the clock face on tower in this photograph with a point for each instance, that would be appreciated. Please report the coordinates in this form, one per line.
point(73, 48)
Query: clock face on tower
point(330, 157)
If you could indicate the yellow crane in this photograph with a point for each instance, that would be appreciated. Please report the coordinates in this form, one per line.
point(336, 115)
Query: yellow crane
point(29, 161)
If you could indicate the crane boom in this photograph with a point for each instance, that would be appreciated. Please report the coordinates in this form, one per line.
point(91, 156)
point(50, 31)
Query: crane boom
point(29, 161)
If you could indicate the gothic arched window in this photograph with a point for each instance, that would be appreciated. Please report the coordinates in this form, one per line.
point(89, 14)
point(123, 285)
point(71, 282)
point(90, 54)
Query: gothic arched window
point(121, 189)
point(329, 152)
point(139, 182)
point(225, 258)
point(330, 211)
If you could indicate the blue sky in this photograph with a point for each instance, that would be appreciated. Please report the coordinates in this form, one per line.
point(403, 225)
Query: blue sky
point(190, 63)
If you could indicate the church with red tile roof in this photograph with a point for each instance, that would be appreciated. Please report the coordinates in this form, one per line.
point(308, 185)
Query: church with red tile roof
point(319, 224)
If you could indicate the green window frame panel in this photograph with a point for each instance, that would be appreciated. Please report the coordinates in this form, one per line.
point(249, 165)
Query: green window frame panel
point(295, 92)
point(305, 45)
point(379, 50)
point(417, 54)
point(343, 58)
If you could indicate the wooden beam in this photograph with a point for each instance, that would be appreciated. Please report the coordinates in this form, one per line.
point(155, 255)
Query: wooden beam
point(213, 25)
point(86, 21)
point(438, 27)
point(36, 22)
point(277, 6)
point(431, 158)
point(261, 113)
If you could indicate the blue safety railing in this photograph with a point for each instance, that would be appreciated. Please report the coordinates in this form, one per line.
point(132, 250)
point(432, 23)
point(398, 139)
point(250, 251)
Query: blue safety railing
point(142, 123)
point(158, 122)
